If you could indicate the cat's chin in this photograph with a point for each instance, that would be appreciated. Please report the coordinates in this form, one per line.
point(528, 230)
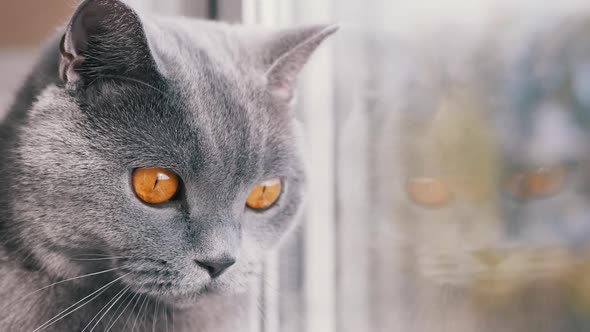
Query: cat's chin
point(184, 299)
point(207, 293)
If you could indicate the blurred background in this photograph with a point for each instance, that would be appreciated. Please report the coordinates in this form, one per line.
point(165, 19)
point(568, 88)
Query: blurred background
point(449, 161)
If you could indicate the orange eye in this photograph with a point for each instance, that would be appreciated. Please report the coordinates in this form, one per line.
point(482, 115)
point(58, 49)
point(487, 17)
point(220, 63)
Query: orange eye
point(265, 194)
point(154, 185)
point(429, 192)
point(540, 182)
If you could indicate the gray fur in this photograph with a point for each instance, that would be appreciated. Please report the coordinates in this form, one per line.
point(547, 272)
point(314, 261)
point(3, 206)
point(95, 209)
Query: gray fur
point(195, 97)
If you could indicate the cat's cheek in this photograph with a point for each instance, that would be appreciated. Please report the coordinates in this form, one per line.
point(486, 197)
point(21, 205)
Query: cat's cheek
point(251, 251)
point(58, 264)
point(238, 279)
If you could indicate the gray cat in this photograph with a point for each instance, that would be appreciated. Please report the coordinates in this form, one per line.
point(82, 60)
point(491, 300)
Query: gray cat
point(202, 106)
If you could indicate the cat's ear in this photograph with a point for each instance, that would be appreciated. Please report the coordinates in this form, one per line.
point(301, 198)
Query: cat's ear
point(103, 37)
point(287, 52)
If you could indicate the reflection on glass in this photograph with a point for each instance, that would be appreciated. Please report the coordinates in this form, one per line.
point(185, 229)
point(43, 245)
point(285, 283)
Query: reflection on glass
point(478, 187)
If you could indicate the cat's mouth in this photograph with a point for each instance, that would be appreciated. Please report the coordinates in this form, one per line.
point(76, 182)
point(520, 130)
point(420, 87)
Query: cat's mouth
point(163, 280)
point(167, 289)
point(176, 282)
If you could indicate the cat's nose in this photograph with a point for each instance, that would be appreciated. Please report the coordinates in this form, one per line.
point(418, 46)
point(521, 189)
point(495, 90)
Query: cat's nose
point(216, 267)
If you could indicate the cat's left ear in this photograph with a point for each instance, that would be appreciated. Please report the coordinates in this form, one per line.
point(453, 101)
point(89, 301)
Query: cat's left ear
point(287, 52)
point(104, 37)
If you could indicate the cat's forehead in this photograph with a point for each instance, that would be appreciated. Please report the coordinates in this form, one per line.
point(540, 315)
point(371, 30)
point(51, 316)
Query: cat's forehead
point(216, 137)
point(212, 114)
point(211, 70)
point(184, 48)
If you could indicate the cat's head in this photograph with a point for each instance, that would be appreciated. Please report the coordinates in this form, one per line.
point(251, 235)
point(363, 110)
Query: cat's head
point(494, 183)
point(169, 153)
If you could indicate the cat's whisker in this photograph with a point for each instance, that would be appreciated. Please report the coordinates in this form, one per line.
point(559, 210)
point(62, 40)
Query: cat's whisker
point(261, 310)
point(145, 297)
point(80, 277)
point(166, 318)
point(100, 259)
point(63, 313)
point(136, 299)
point(115, 316)
point(270, 286)
point(273, 288)
point(122, 292)
point(172, 319)
point(92, 254)
point(62, 281)
point(101, 310)
point(154, 319)
point(145, 316)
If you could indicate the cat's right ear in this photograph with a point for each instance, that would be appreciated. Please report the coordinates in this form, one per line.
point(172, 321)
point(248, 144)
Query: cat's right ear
point(287, 52)
point(104, 37)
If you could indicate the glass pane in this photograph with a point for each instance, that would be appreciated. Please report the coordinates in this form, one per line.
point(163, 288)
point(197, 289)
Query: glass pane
point(460, 164)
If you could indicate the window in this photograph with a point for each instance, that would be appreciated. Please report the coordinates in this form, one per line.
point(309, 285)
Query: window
point(439, 135)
